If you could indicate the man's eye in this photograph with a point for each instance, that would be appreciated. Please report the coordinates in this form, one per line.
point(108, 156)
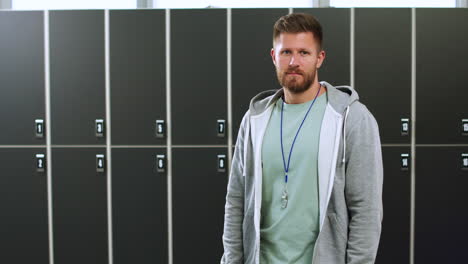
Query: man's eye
point(286, 52)
point(304, 52)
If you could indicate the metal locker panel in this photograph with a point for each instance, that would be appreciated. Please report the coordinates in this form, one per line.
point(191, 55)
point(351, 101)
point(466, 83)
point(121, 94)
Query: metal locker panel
point(79, 206)
point(441, 78)
point(336, 43)
point(138, 75)
point(252, 67)
point(440, 210)
point(21, 76)
point(394, 246)
point(198, 75)
point(77, 77)
point(139, 207)
point(199, 196)
point(24, 228)
point(383, 67)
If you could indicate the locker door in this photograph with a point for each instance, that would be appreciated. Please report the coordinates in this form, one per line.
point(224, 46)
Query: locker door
point(440, 220)
point(252, 68)
point(383, 68)
point(79, 206)
point(21, 76)
point(24, 229)
point(198, 75)
point(394, 246)
point(138, 75)
point(198, 194)
point(441, 78)
point(77, 87)
point(139, 207)
point(336, 33)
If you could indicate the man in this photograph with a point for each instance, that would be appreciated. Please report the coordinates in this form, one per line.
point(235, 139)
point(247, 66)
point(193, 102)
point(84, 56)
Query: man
point(306, 178)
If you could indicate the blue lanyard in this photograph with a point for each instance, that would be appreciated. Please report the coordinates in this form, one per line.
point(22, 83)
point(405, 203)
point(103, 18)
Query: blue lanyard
point(286, 168)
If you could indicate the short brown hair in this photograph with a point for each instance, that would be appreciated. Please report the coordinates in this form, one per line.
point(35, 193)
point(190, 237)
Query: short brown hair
point(297, 23)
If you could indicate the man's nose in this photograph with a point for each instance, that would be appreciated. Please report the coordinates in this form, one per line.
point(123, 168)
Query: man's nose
point(294, 59)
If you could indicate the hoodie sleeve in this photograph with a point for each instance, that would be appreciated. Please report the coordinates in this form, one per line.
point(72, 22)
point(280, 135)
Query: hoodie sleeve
point(234, 208)
point(363, 190)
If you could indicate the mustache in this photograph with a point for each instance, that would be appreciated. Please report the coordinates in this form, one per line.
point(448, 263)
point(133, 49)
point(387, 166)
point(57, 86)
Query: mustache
point(294, 70)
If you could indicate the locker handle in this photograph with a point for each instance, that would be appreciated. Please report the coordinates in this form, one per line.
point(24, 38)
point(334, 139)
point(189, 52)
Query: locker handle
point(99, 127)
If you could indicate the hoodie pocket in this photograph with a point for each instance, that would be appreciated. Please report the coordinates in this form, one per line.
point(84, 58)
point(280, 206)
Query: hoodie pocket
point(338, 226)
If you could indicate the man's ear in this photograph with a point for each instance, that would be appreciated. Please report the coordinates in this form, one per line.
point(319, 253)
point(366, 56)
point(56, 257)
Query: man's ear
point(321, 58)
point(272, 53)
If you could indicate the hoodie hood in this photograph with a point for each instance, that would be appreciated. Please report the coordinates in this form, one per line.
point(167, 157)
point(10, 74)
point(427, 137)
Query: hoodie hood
point(339, 97)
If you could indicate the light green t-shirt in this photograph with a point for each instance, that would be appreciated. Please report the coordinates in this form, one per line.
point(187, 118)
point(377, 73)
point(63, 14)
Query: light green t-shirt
point(288, 235)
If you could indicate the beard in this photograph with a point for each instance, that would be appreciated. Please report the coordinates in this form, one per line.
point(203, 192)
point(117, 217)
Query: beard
point(295, 83)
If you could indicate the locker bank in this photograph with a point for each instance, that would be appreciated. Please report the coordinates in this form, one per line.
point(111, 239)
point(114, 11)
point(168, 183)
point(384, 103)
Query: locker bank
point(115, 147)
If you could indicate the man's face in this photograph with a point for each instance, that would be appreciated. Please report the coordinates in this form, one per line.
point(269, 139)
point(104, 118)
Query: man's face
point(296, 58)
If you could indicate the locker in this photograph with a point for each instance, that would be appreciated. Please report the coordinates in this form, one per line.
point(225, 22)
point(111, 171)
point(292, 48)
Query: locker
point(24, 228)
point(198, 193)
point(77, 78)
point(198, 75)
point(138, 75)
point(440, 215)
point(394, 246)
point(21, 76)
point(79, 206)
point(441, 76)
point(336, 43)
point(252, 68)
point(383, 68)
point(139, 206)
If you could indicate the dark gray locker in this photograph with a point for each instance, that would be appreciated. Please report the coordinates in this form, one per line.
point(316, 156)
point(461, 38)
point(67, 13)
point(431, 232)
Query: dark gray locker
point(441, 196)
point(394, 246)
point(77, 77)
point(199, 195)
point(24, 229)
point(336, 43)
point(441, 79)
point(198, 75)
point(252, 67)
point(139, 206)
point(383, 68)
point(79, 206)
point(138, 75)
point(21, 76)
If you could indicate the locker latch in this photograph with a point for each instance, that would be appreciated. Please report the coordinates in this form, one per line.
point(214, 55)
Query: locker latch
point(404, 126)
point(464, 161)
point(221, 128)
point(221, 163)
point(404, 161)
point(39, 128)
point(160, 128)
point(465, 127)
point(40, 162)
point(100, 163)
point(99, 126)
point(161, 163)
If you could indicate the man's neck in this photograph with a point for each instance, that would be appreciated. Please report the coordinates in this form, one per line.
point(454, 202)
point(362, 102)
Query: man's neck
point(309, 94)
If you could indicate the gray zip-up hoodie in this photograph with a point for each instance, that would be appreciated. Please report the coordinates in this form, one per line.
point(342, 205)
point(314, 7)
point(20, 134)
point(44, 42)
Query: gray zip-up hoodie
point(350, 173)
